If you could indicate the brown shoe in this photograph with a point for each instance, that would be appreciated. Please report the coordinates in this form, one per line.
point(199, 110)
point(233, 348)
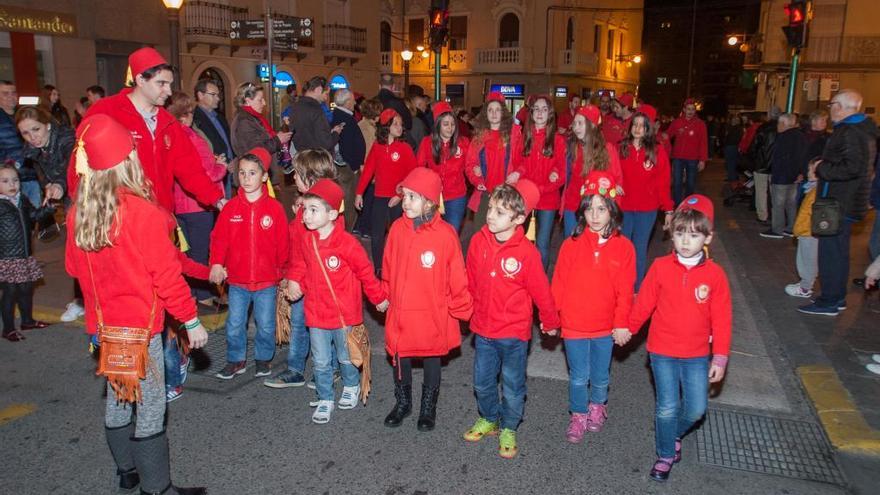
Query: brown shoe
point(13, 336)
point(37, 324)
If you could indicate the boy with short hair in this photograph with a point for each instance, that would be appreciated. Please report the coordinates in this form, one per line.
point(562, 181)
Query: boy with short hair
point(505, 277)
point(331, 271)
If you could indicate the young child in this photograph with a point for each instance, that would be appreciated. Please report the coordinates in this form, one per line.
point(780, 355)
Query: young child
point(687, 297)
point(249, 248)
point(505, 277)
point(18, 268)
point(330, 272)
point(595, 256)
point(424, 276)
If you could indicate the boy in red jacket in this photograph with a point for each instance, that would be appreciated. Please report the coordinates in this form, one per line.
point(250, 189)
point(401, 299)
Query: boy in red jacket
point(331, 270)
point(505, 277)
point(687, 297)
point(249, 250)
point(690, 150)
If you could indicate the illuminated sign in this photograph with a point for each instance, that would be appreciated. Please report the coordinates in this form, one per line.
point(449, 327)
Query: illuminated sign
point(36, 21)
point(508, 90)
point(561, 91)
point(263, 71)
point(283, 79)
point(338, 82)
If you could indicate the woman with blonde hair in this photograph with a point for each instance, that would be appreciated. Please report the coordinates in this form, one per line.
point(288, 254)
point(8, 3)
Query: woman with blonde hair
point(249, 128)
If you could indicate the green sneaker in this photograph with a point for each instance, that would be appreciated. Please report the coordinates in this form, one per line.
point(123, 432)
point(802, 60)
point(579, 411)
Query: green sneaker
point(480, 429)
point(507, 444)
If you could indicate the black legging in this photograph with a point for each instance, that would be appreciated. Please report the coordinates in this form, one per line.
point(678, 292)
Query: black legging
point(382, 215)
point(20, 294)
point(431, 365)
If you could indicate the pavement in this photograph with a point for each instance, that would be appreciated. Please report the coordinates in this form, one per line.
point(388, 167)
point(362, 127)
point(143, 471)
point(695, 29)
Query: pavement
point(786, 370)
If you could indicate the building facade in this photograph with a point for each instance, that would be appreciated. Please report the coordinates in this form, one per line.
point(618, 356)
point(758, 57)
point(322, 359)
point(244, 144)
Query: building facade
point(843, 51)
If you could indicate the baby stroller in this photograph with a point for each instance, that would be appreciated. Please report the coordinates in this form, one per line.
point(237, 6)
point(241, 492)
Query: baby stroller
point(741, 190)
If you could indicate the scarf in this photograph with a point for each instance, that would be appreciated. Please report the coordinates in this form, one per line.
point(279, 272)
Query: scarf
point(262, 120)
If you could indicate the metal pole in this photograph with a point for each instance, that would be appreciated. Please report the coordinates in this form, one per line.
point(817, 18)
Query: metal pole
point(691, 57)
point(792, 80)
point(174, 28)
point(405, 77)
point(437, 74)
point(269, 29)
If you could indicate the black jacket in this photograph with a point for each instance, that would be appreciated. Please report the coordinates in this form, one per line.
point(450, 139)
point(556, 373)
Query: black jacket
point(846, 165)
point(16, 227)
point(761, 149)
point(52, 160)
point(351, 140)
point(203, 122)
point(310, 127)
point(389, 100)
point(789, 157)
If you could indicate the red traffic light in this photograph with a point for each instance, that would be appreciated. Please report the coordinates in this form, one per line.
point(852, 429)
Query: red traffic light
point(796, 13)
point(438, 18)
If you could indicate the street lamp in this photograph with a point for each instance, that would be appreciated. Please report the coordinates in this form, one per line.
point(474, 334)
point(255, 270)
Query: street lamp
point(635, 58)
point(406, 55)
point(173, 9)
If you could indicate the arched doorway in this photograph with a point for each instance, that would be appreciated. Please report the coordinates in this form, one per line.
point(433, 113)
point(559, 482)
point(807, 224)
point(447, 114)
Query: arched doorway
point(569, 34)
point(215, 75)
point(508, 31)
point(384, 37)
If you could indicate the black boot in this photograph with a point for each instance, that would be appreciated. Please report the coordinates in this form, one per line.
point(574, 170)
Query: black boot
point(428, 412)
point(151, 459)
point(403, 406)
point(119, 440)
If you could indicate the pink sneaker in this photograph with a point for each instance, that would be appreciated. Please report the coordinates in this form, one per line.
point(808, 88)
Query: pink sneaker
point(597, 417)
point(577, 425)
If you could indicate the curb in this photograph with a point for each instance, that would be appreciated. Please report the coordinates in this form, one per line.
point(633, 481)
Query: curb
point(212, 321)
point(840, 417)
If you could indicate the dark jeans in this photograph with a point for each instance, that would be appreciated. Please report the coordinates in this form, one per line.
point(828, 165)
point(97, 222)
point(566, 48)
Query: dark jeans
point(431, 366)
point(362, 224)
point(455, 210)
point(544, 232)
point(347, 179)
point(638, 227)
point(731, 161)
point(684, 178)
point(834, 266)
point(197, 229)
point(506, 357)
point(21, 295)
point(383, 215)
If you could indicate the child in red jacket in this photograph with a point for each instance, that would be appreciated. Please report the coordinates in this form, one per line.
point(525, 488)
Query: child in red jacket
point(249, 250)
point(687, 297)
point(505, 277)
point(445, 152)
point(426, 283)
point(596, 255)
point(330, 271)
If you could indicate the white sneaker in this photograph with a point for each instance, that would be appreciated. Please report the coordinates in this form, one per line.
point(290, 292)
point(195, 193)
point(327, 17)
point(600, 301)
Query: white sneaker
point(72, 312)
point(873, 368)
point(797, 291)
point(323, 412)
point(349, 397)
point(876, 358)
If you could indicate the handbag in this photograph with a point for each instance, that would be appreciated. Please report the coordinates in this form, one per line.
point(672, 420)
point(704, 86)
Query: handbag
point(357, 340)
point(123, 353)
point(826, 215)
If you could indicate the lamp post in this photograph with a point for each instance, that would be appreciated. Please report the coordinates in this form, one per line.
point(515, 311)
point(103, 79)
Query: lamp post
point(406, 55)
point(172, 7)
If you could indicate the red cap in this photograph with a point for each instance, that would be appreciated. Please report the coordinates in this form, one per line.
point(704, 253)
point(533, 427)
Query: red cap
point(689, 101)
point(329, 191)
point(591, 112)
point(495, 96)
point(601, 183)
point(626, 100)
point(440, 108)
point(425, 182)
point(102, 143)
point(263, 155)
point(387, 116)
point(529, 192)
point(144, 58)
point(649, 111)
point(698, 202)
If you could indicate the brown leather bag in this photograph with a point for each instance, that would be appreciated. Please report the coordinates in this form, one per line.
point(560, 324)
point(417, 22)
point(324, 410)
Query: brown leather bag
point(123, 353)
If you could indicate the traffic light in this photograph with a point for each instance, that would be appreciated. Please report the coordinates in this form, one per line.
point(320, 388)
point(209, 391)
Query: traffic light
point(798, 15)
point(439, 24)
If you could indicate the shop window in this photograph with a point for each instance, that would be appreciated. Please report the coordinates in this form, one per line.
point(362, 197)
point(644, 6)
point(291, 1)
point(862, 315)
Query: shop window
point(508, 32)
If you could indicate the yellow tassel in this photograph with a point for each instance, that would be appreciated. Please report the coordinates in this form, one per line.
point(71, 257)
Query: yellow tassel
point(442, 208)
point(181, 240)
point(82, 164)
point(530, 233)
point(271, 189)
point(129, 79)
point(342, 206)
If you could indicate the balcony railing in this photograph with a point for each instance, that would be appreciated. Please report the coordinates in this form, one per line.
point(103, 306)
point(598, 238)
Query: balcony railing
point(210, 19)
point(385, 61)
point(854, 50)
point(341, 38)
point(500, 59)
point(576, 62)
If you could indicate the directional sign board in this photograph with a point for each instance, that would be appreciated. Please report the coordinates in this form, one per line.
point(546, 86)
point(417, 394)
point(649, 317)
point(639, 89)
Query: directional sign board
point(291, 28)
point(248, 29)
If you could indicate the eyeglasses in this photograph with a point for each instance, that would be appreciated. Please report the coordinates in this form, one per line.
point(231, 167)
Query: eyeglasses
point(212, 94)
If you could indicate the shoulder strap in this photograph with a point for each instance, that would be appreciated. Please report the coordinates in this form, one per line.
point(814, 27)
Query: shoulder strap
point(327, 279)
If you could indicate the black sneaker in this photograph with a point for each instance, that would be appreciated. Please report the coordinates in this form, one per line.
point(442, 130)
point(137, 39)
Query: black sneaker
point(230, 370)
point(264, 368)
point(769, 234)
point(787, 233)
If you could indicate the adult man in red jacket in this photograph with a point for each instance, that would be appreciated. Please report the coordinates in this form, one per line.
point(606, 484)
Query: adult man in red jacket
point(165, 152)
point(690, 150)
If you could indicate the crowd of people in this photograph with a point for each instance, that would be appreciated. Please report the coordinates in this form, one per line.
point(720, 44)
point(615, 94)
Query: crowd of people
point(158, 185)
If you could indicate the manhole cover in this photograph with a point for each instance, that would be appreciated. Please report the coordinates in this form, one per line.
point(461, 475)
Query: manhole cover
point(762, 444)
point(212, 357)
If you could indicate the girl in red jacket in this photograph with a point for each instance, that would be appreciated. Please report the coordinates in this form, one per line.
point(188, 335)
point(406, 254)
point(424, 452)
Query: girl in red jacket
point(249, 247)
point(540, 157)
point(424, 277)
point(390, 159)
point(120, 249)
point(596, 255)
point(587, 151)
point(646, 180)
point(687, 297)
point(444, 152)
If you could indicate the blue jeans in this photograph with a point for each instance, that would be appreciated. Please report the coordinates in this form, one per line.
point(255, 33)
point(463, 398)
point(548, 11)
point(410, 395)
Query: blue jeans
point(683, 171)
point(508, 357)
point(455, 209)
point(676, 412)
point(569, 222)
point(323, 341)
point(874, 241)
point(172, 360)
point(236, 323)
point(731, 161)
point(31, 190)
point(299, 338)
point(638, 227)
point(589, 364)
point(544, 232)
point(834, 265)
point(196, 229)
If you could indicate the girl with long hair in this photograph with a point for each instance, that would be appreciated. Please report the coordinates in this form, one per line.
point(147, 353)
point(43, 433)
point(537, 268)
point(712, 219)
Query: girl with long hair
point(444, 152)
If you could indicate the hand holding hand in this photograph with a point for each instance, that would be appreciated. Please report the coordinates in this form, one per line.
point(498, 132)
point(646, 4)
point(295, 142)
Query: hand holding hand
point(621, 336)
point(221, 203)
point(198, 337)
point(53, 191)
point(478, 171)
point(284, 137)
point(481, 187)
point(382, 306)
point(217, 275)
point(701, 166)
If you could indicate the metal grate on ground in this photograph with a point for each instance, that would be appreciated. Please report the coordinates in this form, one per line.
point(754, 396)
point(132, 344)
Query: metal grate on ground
point(763, 444)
